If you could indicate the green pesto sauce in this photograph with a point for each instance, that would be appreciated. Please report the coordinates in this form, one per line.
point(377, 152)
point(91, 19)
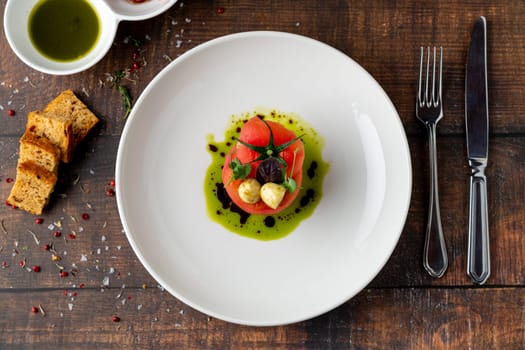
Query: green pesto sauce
point(63, 30)
point(264, 227)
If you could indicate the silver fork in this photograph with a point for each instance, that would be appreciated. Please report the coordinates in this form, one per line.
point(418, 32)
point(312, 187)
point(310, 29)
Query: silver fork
point(429, 110)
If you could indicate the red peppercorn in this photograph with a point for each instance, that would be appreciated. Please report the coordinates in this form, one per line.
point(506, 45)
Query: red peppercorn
point(135, 55)
point(39, 221)
point(9, 180)
point(36, 268)
point(34, 309)
point(64, 274)
point(220, 10)
point(112, 183)
point(72, 236)
point(110, 192)
point(81, 285)
point(115, 318)
point(11, 112)
point(65, 293)
point(22, 263)
point(57, 234)
point(47, 247)
point(135, 66)
point(85, 216)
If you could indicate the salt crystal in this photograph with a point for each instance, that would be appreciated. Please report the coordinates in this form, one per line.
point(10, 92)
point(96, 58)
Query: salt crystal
point(139, 306)
point(188, 20)
point(51, 227)
point(103, 238)
point(70, 306)
point(105, 281)
point(98, 251)
point(83, 257)
point(147, 37)
point(111, 270)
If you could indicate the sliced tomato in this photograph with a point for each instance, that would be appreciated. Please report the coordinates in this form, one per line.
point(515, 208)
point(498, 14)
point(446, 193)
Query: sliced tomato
point(255, 132)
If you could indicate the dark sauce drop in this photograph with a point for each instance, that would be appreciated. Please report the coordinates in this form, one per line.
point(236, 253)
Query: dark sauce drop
point(212, 148)
point(309, 196)
point(311, 170)
point(269, 221)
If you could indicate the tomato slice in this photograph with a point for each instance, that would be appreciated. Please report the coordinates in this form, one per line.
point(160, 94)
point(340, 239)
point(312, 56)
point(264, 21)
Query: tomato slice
point(256, 133)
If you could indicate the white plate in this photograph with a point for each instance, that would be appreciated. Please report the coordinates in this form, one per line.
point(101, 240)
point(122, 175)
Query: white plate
point(162, 161)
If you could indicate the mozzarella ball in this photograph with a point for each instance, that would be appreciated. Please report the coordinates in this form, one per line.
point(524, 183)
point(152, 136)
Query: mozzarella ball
point(272, 194)
point(249, 191)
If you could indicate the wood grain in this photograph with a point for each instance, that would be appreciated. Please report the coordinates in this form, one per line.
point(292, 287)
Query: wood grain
point(402, 308)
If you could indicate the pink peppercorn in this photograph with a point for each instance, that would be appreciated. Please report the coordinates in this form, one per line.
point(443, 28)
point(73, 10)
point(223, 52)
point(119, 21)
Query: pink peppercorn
point(36, 268)
point(64, 274)
point(11, 112)
point(85, 216)
point(39, 221)
point(34, 309)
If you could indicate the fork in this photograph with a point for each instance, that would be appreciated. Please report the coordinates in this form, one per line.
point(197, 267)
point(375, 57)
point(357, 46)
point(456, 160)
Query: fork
point(429, 110)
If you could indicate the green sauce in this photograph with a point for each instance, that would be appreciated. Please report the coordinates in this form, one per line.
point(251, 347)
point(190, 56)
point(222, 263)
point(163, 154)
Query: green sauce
point(63, 30)
point(264, 227)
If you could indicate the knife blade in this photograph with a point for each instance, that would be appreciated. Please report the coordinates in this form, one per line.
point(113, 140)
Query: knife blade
point(477, 130)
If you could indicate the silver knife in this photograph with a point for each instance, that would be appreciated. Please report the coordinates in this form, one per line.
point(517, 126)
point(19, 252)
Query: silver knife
point(477, 125)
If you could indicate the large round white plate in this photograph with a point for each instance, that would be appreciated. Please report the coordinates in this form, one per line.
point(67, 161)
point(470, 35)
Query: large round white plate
point(162, 161)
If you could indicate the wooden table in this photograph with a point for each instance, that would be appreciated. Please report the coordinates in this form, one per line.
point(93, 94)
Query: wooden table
point(402, 308)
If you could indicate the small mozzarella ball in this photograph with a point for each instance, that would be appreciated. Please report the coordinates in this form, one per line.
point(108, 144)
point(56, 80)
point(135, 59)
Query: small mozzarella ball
point(249, 191)
point(272, 194)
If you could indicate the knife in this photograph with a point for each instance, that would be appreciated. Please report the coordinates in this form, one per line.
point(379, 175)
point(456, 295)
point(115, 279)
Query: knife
point(477, 130)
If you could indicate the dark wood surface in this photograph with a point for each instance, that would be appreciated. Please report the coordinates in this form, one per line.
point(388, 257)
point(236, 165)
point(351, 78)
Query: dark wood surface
point(402, 308)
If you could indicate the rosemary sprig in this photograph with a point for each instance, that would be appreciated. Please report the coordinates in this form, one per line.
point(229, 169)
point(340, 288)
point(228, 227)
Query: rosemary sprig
point(124, 92)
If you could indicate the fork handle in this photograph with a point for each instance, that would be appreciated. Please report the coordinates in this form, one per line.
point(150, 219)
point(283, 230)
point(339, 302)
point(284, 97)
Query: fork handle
point(478, 258)
point(435, 258)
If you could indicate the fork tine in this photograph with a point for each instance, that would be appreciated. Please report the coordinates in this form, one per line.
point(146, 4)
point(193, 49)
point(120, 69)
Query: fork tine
point(440, 72)
point(420, 80)
point(432, 101)
point(427, 77)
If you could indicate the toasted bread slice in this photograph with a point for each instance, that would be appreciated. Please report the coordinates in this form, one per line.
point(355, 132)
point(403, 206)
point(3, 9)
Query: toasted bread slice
point(39, 150)
point(67, 106)
point(32, 188)
point(58, 131)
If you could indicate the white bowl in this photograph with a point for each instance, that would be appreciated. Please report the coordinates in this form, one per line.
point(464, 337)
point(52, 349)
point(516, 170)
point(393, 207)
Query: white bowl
point(16, 16)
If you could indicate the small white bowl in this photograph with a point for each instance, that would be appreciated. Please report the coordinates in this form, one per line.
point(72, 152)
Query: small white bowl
point(16, 17)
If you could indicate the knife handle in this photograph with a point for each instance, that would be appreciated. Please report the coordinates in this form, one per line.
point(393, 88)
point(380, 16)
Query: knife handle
point(478, 259)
